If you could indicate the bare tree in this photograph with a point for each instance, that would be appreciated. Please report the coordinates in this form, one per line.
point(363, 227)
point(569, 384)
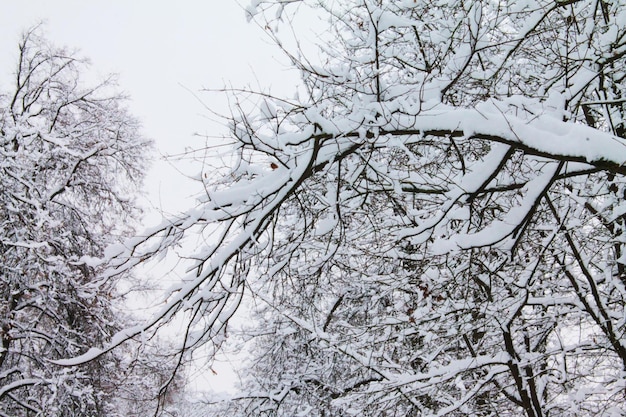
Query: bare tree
point(71, 161)
point(434, 227)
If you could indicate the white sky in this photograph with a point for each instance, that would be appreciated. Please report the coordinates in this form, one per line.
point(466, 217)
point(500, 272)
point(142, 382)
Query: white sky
point(163, 52)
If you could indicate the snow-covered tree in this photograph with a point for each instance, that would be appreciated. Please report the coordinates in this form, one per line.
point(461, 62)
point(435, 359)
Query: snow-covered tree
point(432, 226)
point(71, 159)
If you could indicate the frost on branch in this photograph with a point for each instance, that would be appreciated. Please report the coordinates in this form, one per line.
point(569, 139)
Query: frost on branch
point(443, 233)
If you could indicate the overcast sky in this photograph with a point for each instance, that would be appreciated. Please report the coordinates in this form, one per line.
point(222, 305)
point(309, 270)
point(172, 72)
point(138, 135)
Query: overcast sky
point(163, 53)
